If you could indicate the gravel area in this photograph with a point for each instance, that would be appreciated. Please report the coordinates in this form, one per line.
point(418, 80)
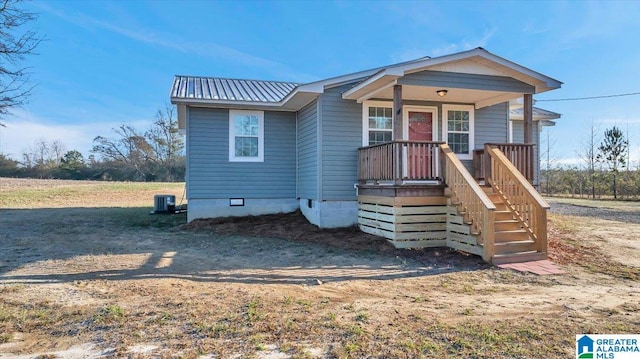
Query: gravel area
point(559, 206)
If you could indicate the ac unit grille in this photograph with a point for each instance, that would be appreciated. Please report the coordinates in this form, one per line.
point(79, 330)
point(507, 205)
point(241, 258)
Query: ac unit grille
point(164, 203)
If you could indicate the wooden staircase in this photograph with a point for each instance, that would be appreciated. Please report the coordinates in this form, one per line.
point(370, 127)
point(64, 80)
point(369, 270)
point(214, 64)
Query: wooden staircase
point(512, 243)
point(507, 217)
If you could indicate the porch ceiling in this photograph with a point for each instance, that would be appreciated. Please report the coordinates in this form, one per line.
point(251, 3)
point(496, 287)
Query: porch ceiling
point(481, 98)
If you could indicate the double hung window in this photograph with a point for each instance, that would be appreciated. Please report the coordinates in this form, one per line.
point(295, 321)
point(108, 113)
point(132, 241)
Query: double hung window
point(246, 136)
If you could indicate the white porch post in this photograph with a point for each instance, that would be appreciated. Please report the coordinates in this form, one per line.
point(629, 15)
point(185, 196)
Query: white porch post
point(397, 112)
point(528, 118)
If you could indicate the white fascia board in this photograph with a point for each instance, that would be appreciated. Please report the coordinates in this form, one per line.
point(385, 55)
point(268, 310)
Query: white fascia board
point(535, 118)
point(246, 105)
point(371, 85)
point(496, 99)
point(283, 105)
point(299, 100)
point(547, 123)
point(339, 80)
point(308, 88)
point(214, 103)
point(371, 94)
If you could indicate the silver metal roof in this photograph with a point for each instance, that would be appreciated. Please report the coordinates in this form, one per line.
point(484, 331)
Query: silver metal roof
point(213, 88)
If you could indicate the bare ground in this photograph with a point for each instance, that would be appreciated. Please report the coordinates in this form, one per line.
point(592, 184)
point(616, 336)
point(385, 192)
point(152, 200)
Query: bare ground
point(116, 282)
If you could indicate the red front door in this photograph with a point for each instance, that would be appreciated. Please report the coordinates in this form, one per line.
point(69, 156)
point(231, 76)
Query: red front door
point(420, 126)
point(418, 156)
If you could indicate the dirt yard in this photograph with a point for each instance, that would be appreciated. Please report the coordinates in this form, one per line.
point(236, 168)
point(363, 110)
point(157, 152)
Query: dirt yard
point(86, 272)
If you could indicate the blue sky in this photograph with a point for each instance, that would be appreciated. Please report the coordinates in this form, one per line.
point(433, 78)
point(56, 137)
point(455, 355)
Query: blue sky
point(109, 63)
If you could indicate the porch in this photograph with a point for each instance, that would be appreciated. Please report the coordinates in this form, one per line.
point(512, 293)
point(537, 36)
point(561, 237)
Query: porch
point(420, 194)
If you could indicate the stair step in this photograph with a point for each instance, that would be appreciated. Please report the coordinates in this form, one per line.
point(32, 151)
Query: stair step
point(518, 257)
point(500, 206)
point(510, 236)
point(507, 225)
point(514, 247)
point(503, 215)
point(495, 198)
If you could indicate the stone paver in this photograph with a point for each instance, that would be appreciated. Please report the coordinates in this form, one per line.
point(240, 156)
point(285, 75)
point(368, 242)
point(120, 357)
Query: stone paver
point(543, 267)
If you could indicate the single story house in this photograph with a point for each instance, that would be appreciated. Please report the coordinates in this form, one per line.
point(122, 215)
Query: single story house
point(342, 148)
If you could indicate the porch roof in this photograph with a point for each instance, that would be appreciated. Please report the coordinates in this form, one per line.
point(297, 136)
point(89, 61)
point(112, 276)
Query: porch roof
point(478, 63)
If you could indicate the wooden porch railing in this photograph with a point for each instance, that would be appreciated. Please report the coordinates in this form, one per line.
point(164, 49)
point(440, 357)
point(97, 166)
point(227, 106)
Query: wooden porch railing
point(525, 202)
point(470, 199)
point(399, 160)
point(520, 155)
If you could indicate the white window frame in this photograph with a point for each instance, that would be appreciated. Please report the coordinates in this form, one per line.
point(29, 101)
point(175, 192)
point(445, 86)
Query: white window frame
point(445, 127)
point(232, 136)
point(365, 118)
point(412, 108)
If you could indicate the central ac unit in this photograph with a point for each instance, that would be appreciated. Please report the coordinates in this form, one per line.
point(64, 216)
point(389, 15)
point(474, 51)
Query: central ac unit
point(164, 203)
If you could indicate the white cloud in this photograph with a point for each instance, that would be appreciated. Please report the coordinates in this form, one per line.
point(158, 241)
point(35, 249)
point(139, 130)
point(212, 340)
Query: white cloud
point(409, 54)
point(172, 42)
point(465, 44)
point(25, 129)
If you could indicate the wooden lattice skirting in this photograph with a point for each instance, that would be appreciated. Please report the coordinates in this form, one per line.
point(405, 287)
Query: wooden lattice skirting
point(407, 222)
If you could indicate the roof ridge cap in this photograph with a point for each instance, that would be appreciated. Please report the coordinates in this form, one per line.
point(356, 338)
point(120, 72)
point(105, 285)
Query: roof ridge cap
point(238, 79)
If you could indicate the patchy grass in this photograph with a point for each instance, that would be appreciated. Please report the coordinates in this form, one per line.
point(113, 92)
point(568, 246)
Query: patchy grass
point(140, 217)
point(632, 206)
point(120, 278)
point(568, 247)
point(28, 193)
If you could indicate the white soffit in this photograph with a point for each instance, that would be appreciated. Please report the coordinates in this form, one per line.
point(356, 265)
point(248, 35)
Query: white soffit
point(466, 66)
point(480, 98)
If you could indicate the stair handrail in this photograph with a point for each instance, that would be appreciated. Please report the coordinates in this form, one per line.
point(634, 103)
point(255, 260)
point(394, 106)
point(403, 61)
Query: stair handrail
point(527, 204)
point(475, 202)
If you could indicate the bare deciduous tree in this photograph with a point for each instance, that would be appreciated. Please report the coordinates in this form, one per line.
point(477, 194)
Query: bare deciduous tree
point(16, 42)
point(588, 154)
point(166, 142)
point(154, 155)
point(547, 144)
point(129, 148)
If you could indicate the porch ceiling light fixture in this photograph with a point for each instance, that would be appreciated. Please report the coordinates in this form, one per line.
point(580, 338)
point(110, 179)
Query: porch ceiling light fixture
point(442, 93)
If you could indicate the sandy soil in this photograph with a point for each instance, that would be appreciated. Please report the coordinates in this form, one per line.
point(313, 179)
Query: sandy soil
point(107, 282)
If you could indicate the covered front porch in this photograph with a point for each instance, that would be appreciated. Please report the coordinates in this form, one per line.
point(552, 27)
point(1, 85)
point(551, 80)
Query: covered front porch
point(420, 194)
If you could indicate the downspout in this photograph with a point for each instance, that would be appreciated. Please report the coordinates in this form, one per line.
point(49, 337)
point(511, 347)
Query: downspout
point(187, 143)
point(319, 147)
point(297, 162)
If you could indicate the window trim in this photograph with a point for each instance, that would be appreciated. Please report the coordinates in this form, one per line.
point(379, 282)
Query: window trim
point(445, 127)
point(365, 118)
point(232, 136)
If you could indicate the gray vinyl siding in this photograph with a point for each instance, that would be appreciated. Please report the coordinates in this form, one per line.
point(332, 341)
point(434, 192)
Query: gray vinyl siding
point(465, 81)
point(518, 137)
point(341, 136)
point(518, 132)
point(211, 175)
point(308, 151)
point(491, 125)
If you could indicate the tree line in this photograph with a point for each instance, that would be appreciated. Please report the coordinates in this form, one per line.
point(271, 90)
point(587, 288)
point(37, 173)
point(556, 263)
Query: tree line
point(155, 154)
point(605, 170)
